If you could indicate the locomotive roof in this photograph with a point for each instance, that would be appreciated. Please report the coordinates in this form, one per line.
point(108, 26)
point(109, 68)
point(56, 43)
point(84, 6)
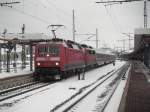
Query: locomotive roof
point(86, 46)
point(67, 43)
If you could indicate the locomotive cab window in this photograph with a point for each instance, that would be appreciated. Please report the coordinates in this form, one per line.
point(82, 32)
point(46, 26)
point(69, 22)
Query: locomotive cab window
point(48, 49)
point(42, 49)
point(53, 49)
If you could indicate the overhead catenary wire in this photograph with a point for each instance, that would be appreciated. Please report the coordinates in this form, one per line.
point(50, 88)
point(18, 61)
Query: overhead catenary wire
point(111, 18)
point(116, 20)
point(31, 15)
point(46, 21)
point(59, 9)
point(58, 14)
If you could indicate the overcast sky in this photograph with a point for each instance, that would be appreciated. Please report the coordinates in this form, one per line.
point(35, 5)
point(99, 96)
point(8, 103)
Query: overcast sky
point(111, 21)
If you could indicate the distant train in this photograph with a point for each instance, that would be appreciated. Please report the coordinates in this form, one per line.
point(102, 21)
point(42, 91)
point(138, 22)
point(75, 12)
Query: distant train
point(58, 58)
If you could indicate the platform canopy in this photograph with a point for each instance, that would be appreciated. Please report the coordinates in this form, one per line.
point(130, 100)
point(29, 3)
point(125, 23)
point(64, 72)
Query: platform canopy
point(29, 36)
point(142, 31)
point(24, 38)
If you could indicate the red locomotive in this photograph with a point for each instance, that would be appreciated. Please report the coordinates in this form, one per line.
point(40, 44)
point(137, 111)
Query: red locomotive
point(58, 58)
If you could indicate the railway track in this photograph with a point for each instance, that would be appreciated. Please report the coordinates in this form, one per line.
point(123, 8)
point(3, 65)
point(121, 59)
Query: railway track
point(11, 81)
point(22, 89)
point(70, 103)
point(123, 72)
point(19, 90)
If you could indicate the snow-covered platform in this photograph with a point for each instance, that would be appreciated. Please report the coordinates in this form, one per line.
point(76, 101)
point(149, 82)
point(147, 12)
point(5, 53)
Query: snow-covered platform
point(6, 75)
point(13, 79)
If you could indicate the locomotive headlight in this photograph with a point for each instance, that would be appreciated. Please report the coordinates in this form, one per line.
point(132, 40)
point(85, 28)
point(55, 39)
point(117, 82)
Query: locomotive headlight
point(47, 55)
point(38, 64)
point(57, 63)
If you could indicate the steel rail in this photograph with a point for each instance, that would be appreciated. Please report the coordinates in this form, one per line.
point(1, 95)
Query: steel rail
point(101, 79)
point(22, 90)
point(124, 72)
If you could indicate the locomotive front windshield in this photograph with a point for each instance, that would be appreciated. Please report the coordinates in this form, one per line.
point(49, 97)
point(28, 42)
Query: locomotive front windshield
point(53, 50)
point(48, 49)
point(42, 49)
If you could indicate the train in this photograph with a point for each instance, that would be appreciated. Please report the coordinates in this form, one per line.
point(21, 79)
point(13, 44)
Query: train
point(57, 58)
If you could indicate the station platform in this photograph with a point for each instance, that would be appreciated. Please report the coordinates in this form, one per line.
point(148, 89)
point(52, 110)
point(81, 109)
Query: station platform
point(13, 79)
point(6, 75)
point(137, 97)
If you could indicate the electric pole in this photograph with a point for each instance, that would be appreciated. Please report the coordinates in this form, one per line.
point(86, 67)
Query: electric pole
point(4, 58)
point(73, 24)
point(145, 13)
point(90, 35)
point(23, 53)
point(96, 38)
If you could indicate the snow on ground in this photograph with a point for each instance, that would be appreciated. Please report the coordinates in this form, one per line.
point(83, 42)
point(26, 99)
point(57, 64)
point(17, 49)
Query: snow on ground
point(45, 99)
point(117, 96)
point(95, 101)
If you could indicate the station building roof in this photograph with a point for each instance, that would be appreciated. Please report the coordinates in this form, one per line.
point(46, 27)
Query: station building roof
point(141, 38)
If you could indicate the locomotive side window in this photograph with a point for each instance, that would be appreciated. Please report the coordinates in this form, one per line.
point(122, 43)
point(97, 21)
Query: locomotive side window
point(94, 52)
point(91, 51)
point(75, 47)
